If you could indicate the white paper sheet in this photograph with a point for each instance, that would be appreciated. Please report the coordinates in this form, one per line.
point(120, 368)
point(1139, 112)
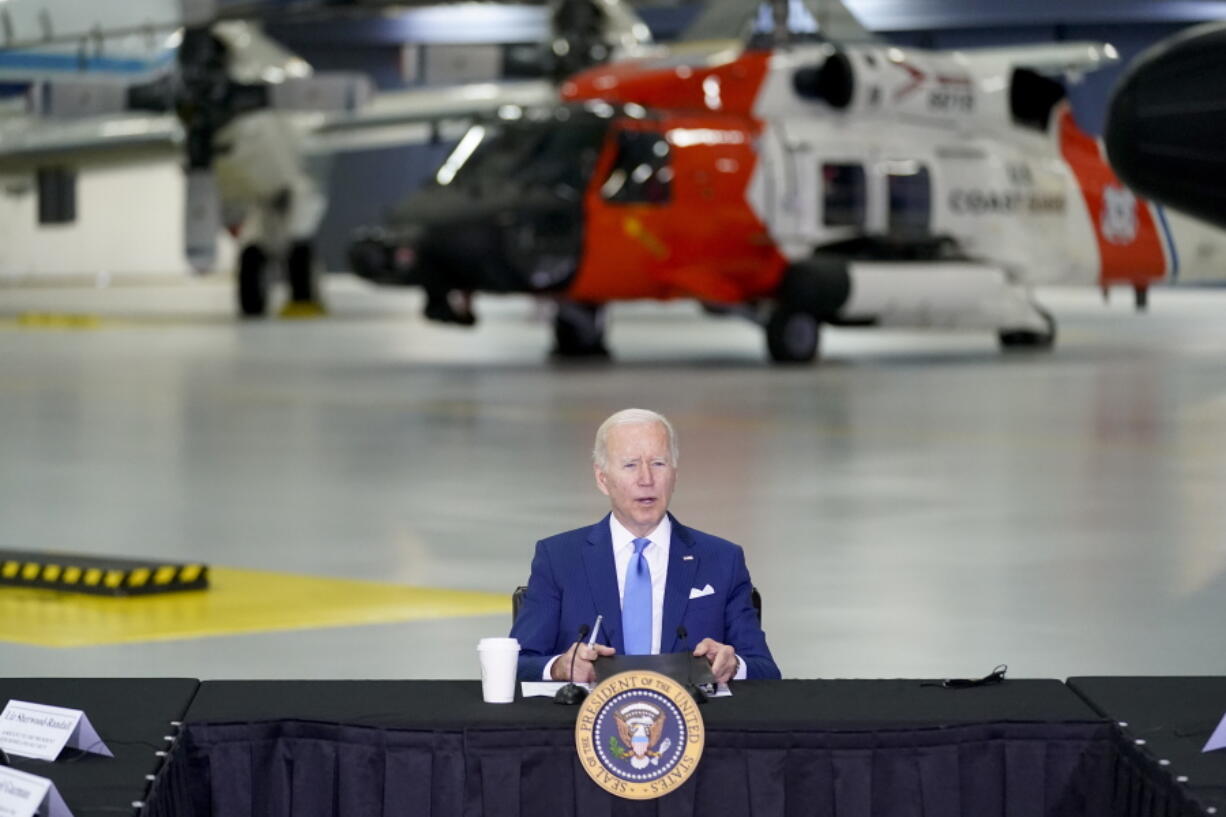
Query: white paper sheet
point(547, 689)
point(544, 689)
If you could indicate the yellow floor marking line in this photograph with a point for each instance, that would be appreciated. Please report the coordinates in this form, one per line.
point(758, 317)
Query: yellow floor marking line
point(56, 320)
point(239, 601)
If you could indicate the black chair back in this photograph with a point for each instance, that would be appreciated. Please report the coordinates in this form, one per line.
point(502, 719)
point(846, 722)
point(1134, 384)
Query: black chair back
point(517, 599)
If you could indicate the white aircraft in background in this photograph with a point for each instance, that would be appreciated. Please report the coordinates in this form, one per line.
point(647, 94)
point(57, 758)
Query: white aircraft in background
point(83, 80)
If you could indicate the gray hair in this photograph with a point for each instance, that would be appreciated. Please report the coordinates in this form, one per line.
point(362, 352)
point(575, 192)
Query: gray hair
point(629, 417)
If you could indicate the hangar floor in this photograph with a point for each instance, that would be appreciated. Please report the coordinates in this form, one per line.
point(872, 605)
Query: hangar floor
point(917, 505)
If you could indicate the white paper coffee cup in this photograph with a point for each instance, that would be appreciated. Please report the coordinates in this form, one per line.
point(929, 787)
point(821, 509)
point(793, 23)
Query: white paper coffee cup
point(499, 661)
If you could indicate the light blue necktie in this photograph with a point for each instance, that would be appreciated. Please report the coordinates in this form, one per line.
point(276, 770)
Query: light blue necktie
point(636, 602)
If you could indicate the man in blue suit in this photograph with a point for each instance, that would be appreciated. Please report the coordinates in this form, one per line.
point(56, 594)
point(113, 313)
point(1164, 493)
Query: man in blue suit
point(658, 585)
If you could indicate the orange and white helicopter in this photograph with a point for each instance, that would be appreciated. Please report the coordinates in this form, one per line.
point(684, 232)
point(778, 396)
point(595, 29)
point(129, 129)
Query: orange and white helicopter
point(796, 180)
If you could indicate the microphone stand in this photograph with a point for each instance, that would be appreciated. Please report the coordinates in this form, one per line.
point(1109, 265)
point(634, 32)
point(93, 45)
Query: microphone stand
point(572, 694)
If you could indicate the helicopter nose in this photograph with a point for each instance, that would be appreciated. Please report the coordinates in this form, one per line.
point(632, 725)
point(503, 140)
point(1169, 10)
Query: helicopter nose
point(463, 244)
point(468, 254)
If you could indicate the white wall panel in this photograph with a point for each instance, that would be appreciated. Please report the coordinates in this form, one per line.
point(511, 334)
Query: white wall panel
point(129, 221)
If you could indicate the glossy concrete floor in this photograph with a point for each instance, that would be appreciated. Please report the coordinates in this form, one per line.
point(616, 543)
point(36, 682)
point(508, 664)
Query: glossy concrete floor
point(917, 505)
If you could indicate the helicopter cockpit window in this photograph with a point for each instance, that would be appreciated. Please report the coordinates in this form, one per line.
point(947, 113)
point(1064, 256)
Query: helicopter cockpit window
point(642, 172)
point(844, 199)
point(558, 152)
point(565, 155)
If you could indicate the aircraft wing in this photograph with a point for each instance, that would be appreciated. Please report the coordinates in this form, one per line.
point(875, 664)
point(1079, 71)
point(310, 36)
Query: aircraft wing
point(399, 117)
point(28, 140)
point(392, 118)
point(31, 139)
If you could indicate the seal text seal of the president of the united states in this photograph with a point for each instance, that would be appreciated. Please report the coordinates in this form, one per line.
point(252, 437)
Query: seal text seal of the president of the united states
point(639, 735)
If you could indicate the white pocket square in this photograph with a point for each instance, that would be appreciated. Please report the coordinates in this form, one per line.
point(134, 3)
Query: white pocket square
point(695, 593)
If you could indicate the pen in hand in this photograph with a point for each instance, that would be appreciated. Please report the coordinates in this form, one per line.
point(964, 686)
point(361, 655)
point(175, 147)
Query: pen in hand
point(591, 642)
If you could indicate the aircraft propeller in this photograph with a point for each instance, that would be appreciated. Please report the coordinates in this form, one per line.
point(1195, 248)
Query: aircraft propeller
point(206, 97)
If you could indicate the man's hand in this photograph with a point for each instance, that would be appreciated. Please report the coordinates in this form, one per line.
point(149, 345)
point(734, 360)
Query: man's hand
point(584, 671)
point(721, 657)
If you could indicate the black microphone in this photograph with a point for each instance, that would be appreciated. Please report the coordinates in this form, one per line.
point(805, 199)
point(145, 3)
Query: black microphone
point(696, 692)
point(583, 631)
point(572, 693)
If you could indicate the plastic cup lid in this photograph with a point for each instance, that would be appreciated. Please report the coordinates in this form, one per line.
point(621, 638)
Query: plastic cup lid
point(498, 643)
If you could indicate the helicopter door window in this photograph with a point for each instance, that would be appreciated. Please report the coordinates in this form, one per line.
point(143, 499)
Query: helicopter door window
point(844, 196)
point(642, 173)
point(910, 198)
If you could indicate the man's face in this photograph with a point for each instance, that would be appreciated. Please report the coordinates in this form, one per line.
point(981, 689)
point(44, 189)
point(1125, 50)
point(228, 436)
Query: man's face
point(639, 475)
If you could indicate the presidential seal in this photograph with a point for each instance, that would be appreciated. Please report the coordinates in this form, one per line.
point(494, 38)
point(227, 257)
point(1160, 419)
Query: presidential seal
point(639, 735)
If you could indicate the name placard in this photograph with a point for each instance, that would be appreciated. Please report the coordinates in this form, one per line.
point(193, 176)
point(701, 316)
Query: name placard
point(23, 795)
point(41, 731)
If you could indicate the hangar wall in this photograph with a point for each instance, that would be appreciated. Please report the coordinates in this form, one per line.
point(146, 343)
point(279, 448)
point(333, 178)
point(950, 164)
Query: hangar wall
point(128, 221)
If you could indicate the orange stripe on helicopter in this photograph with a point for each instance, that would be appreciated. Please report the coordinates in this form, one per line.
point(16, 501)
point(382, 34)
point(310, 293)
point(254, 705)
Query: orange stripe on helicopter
point(1129, 243)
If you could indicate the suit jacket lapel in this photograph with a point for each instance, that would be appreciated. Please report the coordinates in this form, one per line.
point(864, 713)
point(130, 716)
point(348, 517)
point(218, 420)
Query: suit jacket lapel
point(677, 589)
point(602, 583)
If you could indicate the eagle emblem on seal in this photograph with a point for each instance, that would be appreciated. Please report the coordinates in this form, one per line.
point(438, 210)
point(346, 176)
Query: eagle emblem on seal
point(639, 735)
point(639, 727)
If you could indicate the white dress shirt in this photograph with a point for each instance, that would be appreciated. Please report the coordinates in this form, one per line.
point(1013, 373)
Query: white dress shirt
point(656, 554)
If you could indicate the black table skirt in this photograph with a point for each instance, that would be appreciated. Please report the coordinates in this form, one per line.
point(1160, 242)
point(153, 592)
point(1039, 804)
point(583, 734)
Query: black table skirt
point(760, 759)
